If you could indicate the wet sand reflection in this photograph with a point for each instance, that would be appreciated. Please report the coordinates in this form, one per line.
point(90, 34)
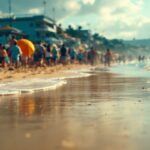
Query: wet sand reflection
point(99, 112)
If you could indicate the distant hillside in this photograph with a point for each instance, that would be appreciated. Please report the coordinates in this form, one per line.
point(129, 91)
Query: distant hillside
point(141, 42)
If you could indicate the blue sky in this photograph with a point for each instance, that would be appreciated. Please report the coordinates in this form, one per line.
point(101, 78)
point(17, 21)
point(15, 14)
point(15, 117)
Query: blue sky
point(123, 19)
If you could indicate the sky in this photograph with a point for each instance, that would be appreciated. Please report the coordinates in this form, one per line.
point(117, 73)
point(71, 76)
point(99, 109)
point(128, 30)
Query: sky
point(121, 19)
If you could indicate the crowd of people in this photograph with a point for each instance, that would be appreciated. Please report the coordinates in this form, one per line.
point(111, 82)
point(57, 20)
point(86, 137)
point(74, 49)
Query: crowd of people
point(48, 55)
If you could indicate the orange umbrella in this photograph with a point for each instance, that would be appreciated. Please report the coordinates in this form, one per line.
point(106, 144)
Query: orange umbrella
point(26, 46)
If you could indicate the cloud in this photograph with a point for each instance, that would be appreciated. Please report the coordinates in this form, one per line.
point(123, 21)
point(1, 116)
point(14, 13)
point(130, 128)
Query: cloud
point(72, 6)
point(3, 14)
point(88, 1)
point(35, 11)
point(68, 10)
point(122, 18)
point(113, 18)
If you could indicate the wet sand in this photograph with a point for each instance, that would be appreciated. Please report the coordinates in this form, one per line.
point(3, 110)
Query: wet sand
point(103, 111)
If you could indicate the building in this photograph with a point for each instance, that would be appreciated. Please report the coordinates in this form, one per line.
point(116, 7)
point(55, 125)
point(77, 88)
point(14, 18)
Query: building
point(84, 35)
point(36, 28)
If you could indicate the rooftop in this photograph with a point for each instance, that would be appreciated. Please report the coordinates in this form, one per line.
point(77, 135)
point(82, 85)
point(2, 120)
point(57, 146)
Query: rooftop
point(35, 17)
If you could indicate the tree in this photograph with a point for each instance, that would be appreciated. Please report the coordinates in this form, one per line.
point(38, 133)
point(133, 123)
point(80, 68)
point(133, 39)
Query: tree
point(59, 29)
point(79, 27)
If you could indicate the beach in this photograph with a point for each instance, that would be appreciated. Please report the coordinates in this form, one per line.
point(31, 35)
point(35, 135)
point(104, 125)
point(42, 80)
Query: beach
point(95, 112)
point(57, 71)
point(74, 75)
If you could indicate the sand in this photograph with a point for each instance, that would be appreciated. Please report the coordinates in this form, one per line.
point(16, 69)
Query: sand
point(40, 72)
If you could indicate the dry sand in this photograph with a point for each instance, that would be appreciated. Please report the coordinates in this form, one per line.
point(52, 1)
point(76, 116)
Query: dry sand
point(40, 72)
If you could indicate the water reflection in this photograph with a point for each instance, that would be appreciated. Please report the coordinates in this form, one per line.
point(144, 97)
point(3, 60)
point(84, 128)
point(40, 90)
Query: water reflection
point(100, 112)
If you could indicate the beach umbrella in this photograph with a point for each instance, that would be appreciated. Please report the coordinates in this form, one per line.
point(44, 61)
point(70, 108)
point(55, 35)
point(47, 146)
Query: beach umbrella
point(26, 46)
point(6, 30)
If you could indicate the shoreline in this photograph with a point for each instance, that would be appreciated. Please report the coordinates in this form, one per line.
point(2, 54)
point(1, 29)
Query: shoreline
point(30, 80)
point(58, 71)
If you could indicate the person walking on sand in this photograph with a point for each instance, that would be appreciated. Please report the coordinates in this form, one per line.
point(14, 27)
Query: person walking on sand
point(63, 54)
point(12, 40)
point(108, 58)
point(54, 54)
point(48, 55)
point(1, 54)
point(39, 55)
point(72, 54)
point(92, 56)
point(15, 54)
point(80, 56)
point(6, 60)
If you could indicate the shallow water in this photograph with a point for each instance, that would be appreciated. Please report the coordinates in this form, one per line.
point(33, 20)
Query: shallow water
point(104, 111)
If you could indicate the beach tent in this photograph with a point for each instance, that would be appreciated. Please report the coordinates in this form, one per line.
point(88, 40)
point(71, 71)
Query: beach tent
point(26, 46)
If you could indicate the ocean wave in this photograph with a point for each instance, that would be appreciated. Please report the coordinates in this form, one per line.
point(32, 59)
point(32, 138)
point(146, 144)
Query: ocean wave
point(39, 84)
point(30, 86)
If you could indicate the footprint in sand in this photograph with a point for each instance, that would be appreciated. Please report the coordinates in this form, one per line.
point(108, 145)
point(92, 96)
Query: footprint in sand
point(34, 74)
point(8, 77)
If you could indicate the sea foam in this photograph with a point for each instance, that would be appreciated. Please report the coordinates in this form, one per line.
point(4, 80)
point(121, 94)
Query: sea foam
point(30, 86)
point(38, 84)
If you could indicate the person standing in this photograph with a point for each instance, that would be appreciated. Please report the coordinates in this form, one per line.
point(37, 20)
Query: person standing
point(108, 57)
